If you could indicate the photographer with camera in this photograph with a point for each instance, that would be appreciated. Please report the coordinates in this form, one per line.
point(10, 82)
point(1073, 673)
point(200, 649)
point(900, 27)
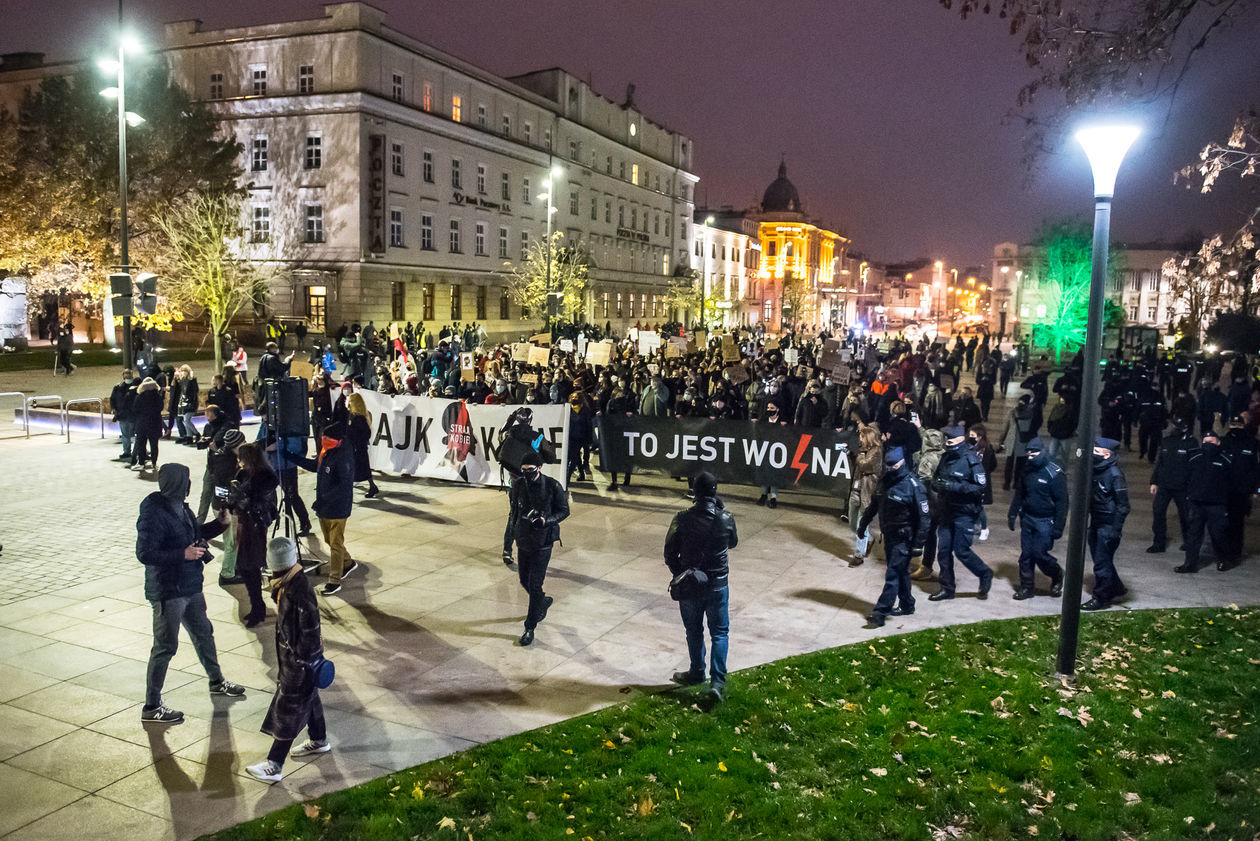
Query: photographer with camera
point(172, 548)
point(538, 504)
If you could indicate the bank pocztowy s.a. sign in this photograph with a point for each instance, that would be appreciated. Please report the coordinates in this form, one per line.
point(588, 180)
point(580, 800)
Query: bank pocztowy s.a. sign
point(743, 452)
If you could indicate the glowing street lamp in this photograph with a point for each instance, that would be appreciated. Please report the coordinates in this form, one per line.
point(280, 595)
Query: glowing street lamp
point(1105, 146)
point(553, 174)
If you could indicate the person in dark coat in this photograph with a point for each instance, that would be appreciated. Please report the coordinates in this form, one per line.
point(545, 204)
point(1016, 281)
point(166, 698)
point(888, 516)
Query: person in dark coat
point(812, 410)
point(253, 505)
point(299, 644)
point(172, 548)
point(334, 499)
point(960, 482)
point(148, 419)
point(227, 398)
point(538, 505)
point(902, 504)
point(65, 347)
point(1169, 479)
point(1108, 508)
point(581, 434)
point(1041, 504)
point(360, 434)
point(122, 403)
point(1208, 490)
point(699, 538)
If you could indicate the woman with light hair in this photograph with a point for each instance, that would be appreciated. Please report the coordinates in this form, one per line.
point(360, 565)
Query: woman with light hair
point(148, 420)
point(869, 465)
point(187, 400)
point(360, 433)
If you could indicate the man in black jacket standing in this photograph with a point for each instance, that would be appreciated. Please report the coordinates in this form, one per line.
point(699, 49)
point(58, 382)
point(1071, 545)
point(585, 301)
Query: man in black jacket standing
point(172, 548)
point(902, 504)
point(1108, 508)
point(121, 400)
point(1169, 480)
point(1208, 491)
point(699, 538)
point(960, 481)
point(1041, 502)
point(538, 504)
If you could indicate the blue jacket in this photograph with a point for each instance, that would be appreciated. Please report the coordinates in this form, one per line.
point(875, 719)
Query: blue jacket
point(334, 481)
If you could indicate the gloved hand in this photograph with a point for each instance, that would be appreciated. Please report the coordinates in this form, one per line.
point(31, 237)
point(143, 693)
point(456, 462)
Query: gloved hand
point(861, 535)
point(1010, 521)
point(1056, 535)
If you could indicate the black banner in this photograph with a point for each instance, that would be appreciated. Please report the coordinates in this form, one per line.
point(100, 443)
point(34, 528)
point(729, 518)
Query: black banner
point(742, 452)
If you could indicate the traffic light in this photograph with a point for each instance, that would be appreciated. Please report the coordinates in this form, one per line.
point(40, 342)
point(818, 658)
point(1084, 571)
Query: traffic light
point(120, 293)
point(148, 293)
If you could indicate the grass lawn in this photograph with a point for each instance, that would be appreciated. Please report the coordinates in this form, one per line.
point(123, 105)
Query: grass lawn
point(941, 734)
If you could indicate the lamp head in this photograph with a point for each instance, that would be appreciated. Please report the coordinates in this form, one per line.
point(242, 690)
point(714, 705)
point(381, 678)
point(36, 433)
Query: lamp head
point(557, 171)
point(130, 43)
point(1105, 146)
point(108, 65)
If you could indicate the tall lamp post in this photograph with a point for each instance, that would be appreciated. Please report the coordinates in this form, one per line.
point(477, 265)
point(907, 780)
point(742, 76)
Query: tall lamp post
point(704, 267)
point(549, 183)
point(1105, 146)
point(125, 118)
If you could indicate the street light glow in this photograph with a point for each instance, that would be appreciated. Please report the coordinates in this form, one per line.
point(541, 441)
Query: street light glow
point(130, 43)
point(108, 65)
point(110, 92)
point(1105, 146)
point(133, 119)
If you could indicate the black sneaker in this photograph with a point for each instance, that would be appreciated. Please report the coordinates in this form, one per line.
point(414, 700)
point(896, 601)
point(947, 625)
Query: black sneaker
point(1056, 587)
point(225, 581)
point(507, 559)
point(1095, 604)
point(686, 679)
point(353, 566)
point(1021, 594)
point(226, 687)
point(762, 500)
point(986, 584)
point(527, 637)
point(547, 602)
point(773, 502)
point(901, 611)
point(330, 588)
point(875, 620)
point(161, 714)
point(1184, 568)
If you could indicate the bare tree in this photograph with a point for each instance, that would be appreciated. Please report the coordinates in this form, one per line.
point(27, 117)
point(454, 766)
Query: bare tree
point(208, 264)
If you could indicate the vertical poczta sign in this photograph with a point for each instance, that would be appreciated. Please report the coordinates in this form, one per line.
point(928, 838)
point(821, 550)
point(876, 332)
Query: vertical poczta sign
point(376, 193)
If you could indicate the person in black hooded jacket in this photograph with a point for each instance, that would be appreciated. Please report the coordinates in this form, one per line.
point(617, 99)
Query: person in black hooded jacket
point(699, 538)
point(538, 505)
point(172, 548)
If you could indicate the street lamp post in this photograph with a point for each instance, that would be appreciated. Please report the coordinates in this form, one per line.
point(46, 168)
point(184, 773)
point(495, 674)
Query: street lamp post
point(1105, 146)
point(549, 182)
point(124, 119)
point(704, 267)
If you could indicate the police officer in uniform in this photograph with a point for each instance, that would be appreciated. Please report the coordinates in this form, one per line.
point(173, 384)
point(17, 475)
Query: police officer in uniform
point(1169, 480)
point(1151, 416)
point(960, 481)
point(1041, 501)
point(1108, 507)
point(1240, 445)
point(1209, 491)
point(902, 504)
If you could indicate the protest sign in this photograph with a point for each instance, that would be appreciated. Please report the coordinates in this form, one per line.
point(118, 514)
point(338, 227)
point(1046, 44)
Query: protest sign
point(539, 355)
point(540, 339)
point(648, 342)
point(831, 357)
point(791, 355)
point(529, 379)
point(467, 368)
point(771, 343)
point(599, 353)
point(739, 374)
point(566, 345)
point(730, 351)
point(520, 352)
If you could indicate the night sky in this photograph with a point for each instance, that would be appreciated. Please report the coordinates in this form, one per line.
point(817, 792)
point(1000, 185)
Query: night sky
point(890, 112)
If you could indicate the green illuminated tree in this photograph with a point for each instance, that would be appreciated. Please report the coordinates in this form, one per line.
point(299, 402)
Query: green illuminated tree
point(1062, 268)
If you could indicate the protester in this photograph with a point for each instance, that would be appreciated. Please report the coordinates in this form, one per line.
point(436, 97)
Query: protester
point(253, 504)
point(172, 548)
point(870, 461)
point(334, 500)
point(537, 506)
point(359, 434)
point(122, 404)
point(699, 539)
point(147, 410)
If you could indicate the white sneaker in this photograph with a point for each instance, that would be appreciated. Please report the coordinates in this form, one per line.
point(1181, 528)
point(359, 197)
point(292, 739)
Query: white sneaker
point(984, 534)
point(310, 747)
point(265, 771)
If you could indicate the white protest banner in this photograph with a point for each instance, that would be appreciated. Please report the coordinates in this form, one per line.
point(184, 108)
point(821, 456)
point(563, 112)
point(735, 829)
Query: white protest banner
point(581, 345)
point(648, 342)
point(520, 352)
point(566, 345)
point(452, 440)
point(599, 353)
point(539, 355)
point(791, 355)
point(467, 368)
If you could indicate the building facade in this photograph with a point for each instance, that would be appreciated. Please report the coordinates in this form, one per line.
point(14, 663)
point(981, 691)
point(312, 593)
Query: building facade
point(727, 258)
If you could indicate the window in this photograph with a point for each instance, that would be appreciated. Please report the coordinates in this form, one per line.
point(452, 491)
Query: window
point(504, 312)
point(258, 76)
point(772, 248)
point(455, 243)
point(457, 174)
point(529, 133)
point(604, 304)
point(682, 229)
point(1152, 282)
point(258, 155)
point(396, 158)
point(1150, 313)
point(426, 301)
point(524, 245)
point(396, 89)
point(574, 202)
point(1041, 310)
point(505, 187)
point(656, 224)
point(634, 218)
point(620, 311)
point(594, 209)
point(699, 245)
point(658, 183)
point(1132, 312)
point(573, 150)
point(426, 231)
point(525, 191)
point(396, 229)
point(314, 223)
point(457, 108)
point(261, 230)
point(479, 240)
point(481, 179)
point(608, 165)
point(456, 303)
point(503, 243)
point(547, 138)
point(314, 157)
point(664, 270)
point(507, 125)
point(216, 85)
point(426, 165)
point(398, 300)
point(316, 306)
point(1135, 282)
point(481, 116)
point(481, 303)
point(621, 216)
point(306, 78)
point(608, 210)
point(634, 174)
point(622, 170)
point(426, 96)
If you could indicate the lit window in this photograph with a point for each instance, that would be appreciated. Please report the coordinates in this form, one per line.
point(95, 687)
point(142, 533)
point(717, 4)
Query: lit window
point(634, 174)
point(396, 158)
point(261, 230)
point(258, 155)
point(426, 231)
point(426, 100)
point(314, 223)
point(314, 157)
point(306, 78)
point(456, 302)
point(216, 85)
point(395, 229)
point(457, 108)
point(1041, 310)
point(396, 89)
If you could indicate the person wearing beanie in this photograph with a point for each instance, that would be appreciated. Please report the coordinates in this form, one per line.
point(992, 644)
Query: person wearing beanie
point(699, 538)
point(537, 506)
point(299, 645)
point(1041, 503)
point(334, 499)
point(172, 548)
point(1108, 508)
point(960, 482)
point(221, 468)
point(902, 504)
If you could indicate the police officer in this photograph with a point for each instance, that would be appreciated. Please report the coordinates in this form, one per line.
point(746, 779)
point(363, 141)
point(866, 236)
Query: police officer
point(1108, 507)
point(960, 481)
point(1151, 416)
point(538, 504)
point(1169, 479)
point(1041, 501)
point(1208, 492)
point(1240, 445)
point(902, 504)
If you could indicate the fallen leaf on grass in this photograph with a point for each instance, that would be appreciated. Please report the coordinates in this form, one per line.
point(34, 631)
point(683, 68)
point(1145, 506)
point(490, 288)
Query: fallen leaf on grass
point(879, 772)
point(1137, 713)
point(447, 823)
point(311, 809)
point(1131, 798)
point(1168, 693)
point(721, 766)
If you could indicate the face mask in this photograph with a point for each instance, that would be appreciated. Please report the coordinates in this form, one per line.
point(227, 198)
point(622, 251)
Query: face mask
point(1098, 460)
point(827, 383)
point(498, 389)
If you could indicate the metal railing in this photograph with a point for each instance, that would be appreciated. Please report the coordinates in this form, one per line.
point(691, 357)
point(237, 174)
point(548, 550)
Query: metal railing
point(65, 412)
point(61, 407)
point(26, 414)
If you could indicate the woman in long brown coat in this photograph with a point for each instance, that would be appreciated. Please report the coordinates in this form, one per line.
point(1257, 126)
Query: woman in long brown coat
point(870, 462)
point(299, 645)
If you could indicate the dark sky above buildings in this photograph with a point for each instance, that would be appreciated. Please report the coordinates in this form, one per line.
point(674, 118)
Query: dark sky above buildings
point(891, 113)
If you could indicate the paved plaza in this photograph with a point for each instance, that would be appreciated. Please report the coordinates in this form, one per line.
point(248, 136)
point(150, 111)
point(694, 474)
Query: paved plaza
point(424, 636)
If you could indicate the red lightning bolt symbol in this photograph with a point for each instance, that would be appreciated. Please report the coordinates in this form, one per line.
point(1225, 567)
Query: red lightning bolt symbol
point(796, 459)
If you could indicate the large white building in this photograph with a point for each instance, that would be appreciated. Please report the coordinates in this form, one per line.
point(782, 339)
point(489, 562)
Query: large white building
point(394, 182)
